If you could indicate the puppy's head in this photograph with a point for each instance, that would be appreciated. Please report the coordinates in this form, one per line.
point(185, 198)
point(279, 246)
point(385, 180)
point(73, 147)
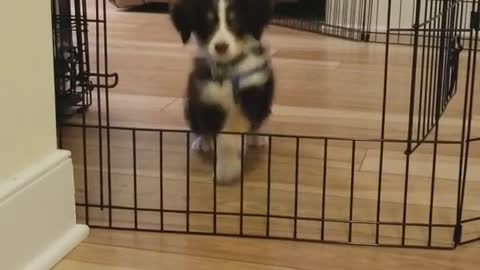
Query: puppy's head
point(221, 27)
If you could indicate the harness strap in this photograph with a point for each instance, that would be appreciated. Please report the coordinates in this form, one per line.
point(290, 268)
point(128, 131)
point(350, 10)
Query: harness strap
point(236, 80)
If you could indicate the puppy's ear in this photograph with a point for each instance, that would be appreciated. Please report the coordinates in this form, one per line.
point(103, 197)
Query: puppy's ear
point(182, 14)
point(260, 13)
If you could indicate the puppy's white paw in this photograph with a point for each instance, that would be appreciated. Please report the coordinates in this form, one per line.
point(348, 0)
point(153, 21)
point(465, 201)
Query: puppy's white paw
point(228, 171)
point(257, 141)
point(202, 144)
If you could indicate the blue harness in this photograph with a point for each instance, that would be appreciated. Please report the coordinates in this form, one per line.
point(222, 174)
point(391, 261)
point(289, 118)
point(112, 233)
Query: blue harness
point(236, 79)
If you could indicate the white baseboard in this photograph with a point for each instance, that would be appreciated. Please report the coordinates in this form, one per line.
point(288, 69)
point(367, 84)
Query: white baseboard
point(37, 215)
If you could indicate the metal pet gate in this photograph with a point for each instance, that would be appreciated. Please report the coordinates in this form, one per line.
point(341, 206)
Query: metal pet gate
point(442, 35)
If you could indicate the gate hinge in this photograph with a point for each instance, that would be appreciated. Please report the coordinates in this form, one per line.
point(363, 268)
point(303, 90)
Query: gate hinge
point(475, 20)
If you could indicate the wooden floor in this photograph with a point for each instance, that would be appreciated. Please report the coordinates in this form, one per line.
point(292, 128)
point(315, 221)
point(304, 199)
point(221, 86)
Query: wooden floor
point(113, 250)
point(326, 87)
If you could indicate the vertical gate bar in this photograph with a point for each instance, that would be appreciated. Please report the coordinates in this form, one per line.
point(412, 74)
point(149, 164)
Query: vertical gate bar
point(352, 13)
point(135, 182)
point(434, 65)
point(423, 83)
point(107, 112)
point(361, 22)
point(352, 190)
point(86, 39)
point(328, 12)
point(413, 22)
point(188, 182)
point(85, 171)
point(269, 183)
point(215, 184)
point(370, 16)
point(432, 186)
point(405, 198)
point(242, 184)
point(344, 18)
point(411, 112)
point(428, 73)
point(78, 23)
point(324, 188)
point(353, 18)
point(365, 20)
point(440, 86)
point(336, 18)
point(449, 91)
point(161, 180)
point(447, 80)
point(432, 25)
point(461, 25)
point(458, 34)
point(58, 40)
point(377, 16)
point(99, 100)
point(85, 163)
point(470, 115)
point(436, 69)
point(297, 164)
point(454, 25)
point(463, 145)
point(444, 79)
point(431, 64)
point(399, 21)
point(461, 21)
point(384, 115)
point(458, 26)
point(109, 192)
point(413, 86)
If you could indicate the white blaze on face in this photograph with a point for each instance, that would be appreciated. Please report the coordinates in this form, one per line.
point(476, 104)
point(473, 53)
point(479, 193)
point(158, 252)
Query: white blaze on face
point(224, 35)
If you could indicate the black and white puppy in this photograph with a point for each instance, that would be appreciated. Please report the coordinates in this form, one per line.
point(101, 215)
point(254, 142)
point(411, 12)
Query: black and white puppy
point(231, 86)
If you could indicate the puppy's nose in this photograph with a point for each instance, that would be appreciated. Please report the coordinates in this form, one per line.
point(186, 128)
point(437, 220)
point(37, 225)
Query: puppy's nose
point(221, 48)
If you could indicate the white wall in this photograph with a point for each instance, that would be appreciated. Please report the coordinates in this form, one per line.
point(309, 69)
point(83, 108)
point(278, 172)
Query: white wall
point(37, 207)
point(27, 124)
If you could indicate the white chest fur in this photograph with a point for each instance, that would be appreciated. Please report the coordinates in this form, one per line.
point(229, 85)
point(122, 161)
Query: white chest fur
point(216, 93)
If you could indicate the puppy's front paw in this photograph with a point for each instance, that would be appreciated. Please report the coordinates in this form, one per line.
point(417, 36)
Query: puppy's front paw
point(228, 171)
point(202, 144)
